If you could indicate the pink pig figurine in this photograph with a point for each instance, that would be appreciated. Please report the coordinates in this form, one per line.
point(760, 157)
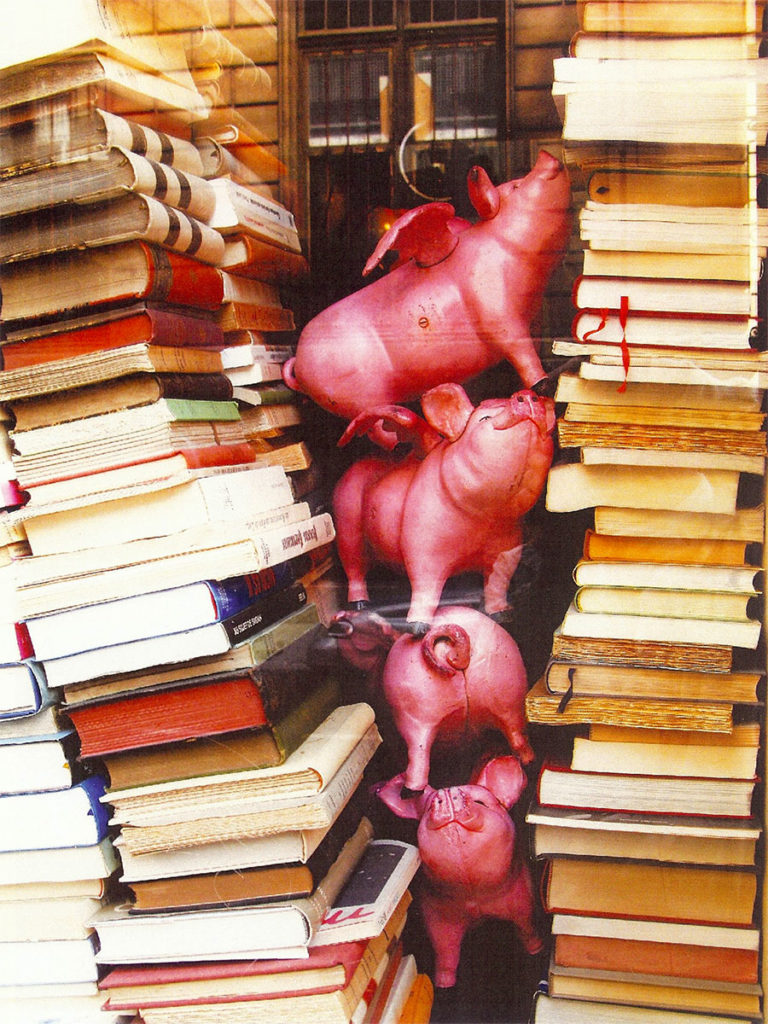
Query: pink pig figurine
point(453, 505)
point(460, 298)
point(464, 676)
point(472, 869)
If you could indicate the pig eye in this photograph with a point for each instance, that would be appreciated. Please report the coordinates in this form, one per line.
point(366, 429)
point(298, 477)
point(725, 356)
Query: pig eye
point(486, 417)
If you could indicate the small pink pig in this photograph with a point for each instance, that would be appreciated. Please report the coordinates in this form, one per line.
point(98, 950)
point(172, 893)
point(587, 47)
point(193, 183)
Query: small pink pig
point(453, 505)
point(472, 869)
point(460, 298)
point(464, 676)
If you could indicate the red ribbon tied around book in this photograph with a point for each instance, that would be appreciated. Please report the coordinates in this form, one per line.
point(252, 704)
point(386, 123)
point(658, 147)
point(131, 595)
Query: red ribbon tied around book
point(623, 315)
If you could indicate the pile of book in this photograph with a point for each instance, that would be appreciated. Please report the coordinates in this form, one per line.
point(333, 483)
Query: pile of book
point(648, 831)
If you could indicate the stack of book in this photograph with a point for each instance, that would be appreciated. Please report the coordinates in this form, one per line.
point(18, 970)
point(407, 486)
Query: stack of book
point(55, 860)
point(649, 831)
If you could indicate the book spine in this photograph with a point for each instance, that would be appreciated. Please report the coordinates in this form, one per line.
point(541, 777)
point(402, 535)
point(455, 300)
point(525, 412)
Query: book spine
point(233, 595)
point(260, 615)
point(190, 410)
point(163, 225)
point(165, 149)
point(214, 387)
point(189, 193)
point(278, 545)
point(180, 280)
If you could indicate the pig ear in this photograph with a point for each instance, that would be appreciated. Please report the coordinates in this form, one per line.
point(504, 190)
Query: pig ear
point(504, 777)
point(447, 408)
point(427, 235)
point(483, 194)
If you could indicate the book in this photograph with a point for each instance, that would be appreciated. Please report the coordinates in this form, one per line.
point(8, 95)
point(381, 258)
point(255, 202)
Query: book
point(69, 283)
point(132, 216)
point(549, 1009)
point(71, 961)
point(135, 391)
point(204, 823)
point(107, 573)
point(232, 751)
point(246, 656)
point(192, 712)
point(51, 820)
point(164, 648)
point(105, 176)
point(40, 919)
point(82, 80)
point(658, 295)
point(574, 486)
point(627, 45)
point(252, 884)
point(730, 937)
point(680, 839)
point(250, 316)
point(255, 257)
point(326, 969)
point(30, 143)
point(119, 517)
point(376, 886)
point(666, 891)
point(124, 447)
point(47, 29)
point(63, 864)
point(673, 604)
point(669, 752)
point(306, 773)
point(102, 365)
point(662, 712)
point(658, 628)
point(648, 990)
point(682, 550)
point(678, 187)
point(300, 848)
point(354, 965)
point(728, 333)
point(646, 653)
point(36, 766)
point(666, 684)
point(88, 430)
point(644, 957)
point(240, 209)
point(232, 933)
point(666, 399)
point(23, 690)
point(699, 266)
point(712, 17)
point(26, 343)
point(746, 524)
point(561, 786)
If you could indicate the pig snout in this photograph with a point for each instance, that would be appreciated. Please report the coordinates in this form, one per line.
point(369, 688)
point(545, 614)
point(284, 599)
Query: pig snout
point(453, 806)
point(523, 406)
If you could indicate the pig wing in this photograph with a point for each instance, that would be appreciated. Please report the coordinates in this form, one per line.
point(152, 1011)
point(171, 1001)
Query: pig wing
point(426, 235)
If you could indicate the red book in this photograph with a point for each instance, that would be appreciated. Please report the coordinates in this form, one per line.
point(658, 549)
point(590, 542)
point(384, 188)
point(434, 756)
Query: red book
point(127, 327)
point(332, 968)
point(247, 700)
point(64, 284)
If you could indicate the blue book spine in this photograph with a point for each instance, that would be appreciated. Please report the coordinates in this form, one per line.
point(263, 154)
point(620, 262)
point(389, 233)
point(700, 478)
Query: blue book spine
point(94, 787)
point(238, 592)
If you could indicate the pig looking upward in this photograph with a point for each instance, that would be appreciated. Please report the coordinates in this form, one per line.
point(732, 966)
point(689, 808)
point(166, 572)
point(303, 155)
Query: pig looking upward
point(460, 298)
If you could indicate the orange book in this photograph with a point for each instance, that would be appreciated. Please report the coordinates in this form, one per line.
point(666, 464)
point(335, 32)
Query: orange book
point(705, 551)
point(713, 963)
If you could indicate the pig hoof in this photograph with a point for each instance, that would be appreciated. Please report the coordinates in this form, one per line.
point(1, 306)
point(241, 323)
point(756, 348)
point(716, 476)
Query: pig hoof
point(445, 978)
point(358, 606)
point(533, 945)
point(416, 628)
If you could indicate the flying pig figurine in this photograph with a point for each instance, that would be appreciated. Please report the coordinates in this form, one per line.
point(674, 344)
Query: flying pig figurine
point(463, 676)
point(454, 504)
point(472, 869)
point(460, 298)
